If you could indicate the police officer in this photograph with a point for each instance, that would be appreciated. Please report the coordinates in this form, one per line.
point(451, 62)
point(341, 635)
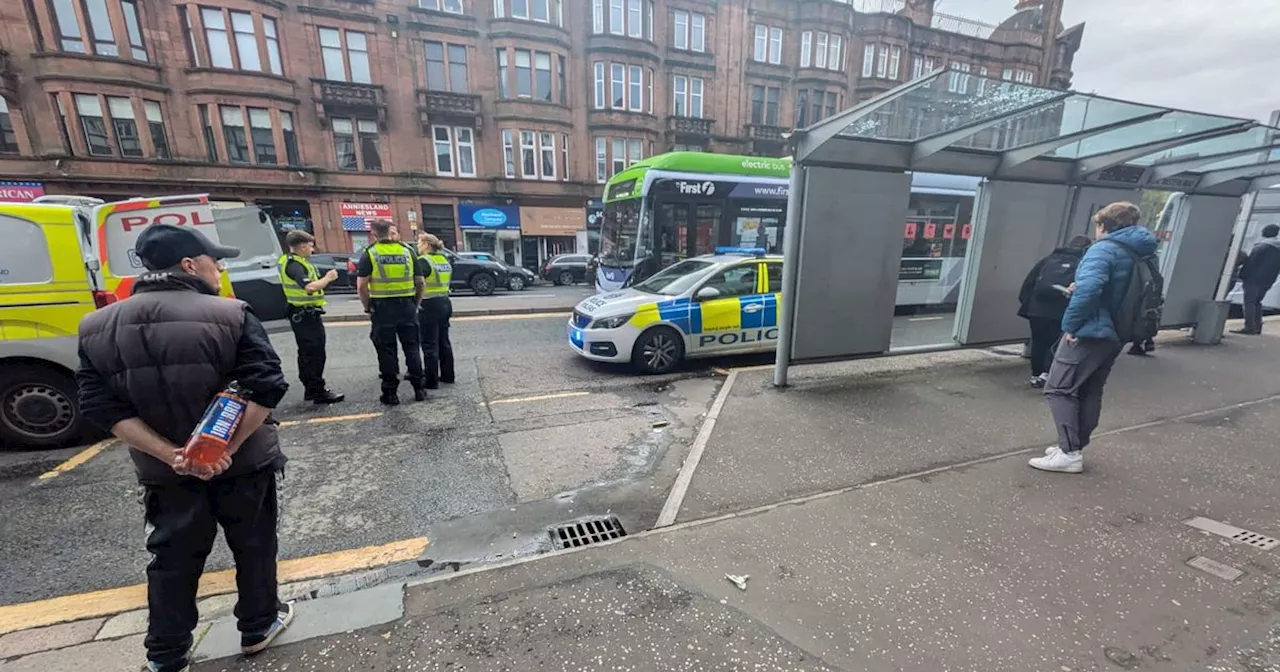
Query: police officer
point(435, 311)
point(390, 286)
point(304, 291)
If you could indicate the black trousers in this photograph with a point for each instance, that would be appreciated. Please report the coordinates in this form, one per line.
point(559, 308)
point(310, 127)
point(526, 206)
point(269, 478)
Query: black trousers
point(394, 322)
point(1253, 307)
point(308, 333)
point(437, 350)
point(182, 522)
point(1044, 333)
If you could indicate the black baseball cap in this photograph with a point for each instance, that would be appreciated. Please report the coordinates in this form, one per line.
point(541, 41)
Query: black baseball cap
point(162, 246)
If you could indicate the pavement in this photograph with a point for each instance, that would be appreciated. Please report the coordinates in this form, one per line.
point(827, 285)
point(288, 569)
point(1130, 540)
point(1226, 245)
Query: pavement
point(881, 510)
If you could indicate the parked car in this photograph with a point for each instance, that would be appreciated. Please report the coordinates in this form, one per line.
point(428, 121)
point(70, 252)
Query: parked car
point(566, 269)
point(479, 275)
point(343, 264)
point(518, 279)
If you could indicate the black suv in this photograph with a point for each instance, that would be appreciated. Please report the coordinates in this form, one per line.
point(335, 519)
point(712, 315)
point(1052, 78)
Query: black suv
point(566, 269)
point(478, 275)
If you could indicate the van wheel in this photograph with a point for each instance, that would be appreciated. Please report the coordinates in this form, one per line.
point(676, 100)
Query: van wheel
point(37, 407)
point(658, 350)
point(482, 284)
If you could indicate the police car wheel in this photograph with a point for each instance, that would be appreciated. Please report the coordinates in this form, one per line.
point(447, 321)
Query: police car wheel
point(37, 407)
point(658, 350)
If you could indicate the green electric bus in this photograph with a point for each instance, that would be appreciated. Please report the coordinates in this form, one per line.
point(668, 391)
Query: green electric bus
point(683, 204)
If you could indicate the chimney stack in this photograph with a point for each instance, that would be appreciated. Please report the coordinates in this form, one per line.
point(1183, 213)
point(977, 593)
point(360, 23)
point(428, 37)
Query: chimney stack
point(1027, 4)
point(919, 11)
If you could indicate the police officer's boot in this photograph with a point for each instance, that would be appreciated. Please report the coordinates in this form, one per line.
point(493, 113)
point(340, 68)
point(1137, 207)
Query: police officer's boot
point(325, 397)
point(390, 398)
point(419, 394)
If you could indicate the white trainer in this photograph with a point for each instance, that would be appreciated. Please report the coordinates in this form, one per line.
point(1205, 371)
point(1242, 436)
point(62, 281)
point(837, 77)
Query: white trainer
point(1051, 450)
point(1066, 463)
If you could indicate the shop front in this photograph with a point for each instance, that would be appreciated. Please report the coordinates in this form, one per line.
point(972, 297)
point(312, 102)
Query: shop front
point(288, 216)
point(356, 218)
point(547, 232)
point(20, 192)
point(491, 228)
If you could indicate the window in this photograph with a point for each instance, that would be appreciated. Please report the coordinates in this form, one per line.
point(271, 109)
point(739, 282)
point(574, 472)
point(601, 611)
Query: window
point(104, 42)
point(835, 53)
point(290, 139)
point(504, 75)
point(764, 105)
point(134, 30)
point(814, 105)
point(499, 8)
point(210, 138)
point(917, 68)
point(616, 17)
point(233, 134)
point(63, 128)
point(617, 86)
point(547, 149)
point(602, 160)
point(189, 36)
point(542, 72)
point(564, 157)
point(697, 32)
point(455, 150)
point(689, 31)
point(524, 73)
point(528, 155)
point(1007, 75)
point(370, 144)
point(94, 125)
point(564, 91)
point(1025, 77)
point(344, 144)
point(264, 140)
point(450, 75)
point(930, 64)
point(760, 52)
point(695, 97)
point(69, 36)
point(520, 9)
point(349, 63)
point(217, 37)
point(775, 45)
point(619, 155)
point(508, 153)
point(882, 62)
point(246, 41)
point(599, 90)
point(959, 78)
point(806, 44)
point(125, 126)
point(8, 137)
point(648, 23)
point(273, 45)
point(680, 96)
point(597, 16)
point(680, 30)
point(649, 91)
point(636, 89)
point(895, 62)
point(635, 23)
point(451, 6)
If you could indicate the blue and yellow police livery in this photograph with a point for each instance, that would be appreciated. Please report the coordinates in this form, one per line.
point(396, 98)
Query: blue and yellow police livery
point(717, 304)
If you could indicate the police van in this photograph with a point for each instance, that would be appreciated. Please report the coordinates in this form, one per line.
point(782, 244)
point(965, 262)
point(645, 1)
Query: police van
point(713, 305)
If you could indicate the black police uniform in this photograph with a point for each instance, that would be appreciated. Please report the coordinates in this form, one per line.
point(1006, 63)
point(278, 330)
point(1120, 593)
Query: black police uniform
point(395, 319)
point(308, 332)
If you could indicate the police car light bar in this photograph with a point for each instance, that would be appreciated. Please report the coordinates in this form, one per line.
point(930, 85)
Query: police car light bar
point(750, 251)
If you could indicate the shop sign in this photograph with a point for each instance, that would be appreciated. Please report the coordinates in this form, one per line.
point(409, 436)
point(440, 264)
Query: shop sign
point(356, 216)
point(473, 216)
point(552, 221)
point(20, 192)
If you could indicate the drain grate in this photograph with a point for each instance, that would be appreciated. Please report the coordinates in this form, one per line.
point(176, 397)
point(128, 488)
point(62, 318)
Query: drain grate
point(1215, 568)
point(586, 532)
point(1236, 534)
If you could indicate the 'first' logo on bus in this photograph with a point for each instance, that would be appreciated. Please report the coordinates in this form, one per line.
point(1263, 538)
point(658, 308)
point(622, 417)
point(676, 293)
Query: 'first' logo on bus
point(696, 188)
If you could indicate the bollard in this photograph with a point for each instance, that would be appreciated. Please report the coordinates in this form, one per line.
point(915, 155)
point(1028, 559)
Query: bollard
point(1211, 321)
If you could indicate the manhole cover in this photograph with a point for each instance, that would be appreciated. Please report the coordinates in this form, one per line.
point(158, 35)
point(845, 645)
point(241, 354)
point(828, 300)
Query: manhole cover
point(1236, 534)
point(586, 532)
point(1215, 568)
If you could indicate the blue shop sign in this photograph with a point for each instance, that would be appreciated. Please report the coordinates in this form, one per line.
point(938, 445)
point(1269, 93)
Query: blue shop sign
point(472, 216)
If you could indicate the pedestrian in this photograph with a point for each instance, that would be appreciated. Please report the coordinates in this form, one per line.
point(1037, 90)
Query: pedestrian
point(1092, 335)
point(149, 366)
point(390, 284)
point(435, 311)
point(304, 292)
point(1043, 300)
point(1257, 274)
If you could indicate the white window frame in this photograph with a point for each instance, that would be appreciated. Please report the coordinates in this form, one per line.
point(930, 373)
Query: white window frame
point(602, 160)
point(532, 147)
point(597, 16)
point(775, 45)
point(436, 143)
point(679, 33)
point(930, 64)
point(601, 91)
point(514, 15)
point(508, 154)
point(469, 146)
point(835, 53)
point(564, 156)
point(882, 61)
point(760, 48)
point(617, 86)
point(983, 73)
point(635, 19)
point(648, 23)
point(635, 151)
point(618, 157)
point(617, 17)
point(895, 63)
point(917, 67)
point(635, 88)
point(806, 48)
point(698, 32)
point(696, 89)
point(499, 9)
point(820, 50)
point(679, 95)
point(546, 152)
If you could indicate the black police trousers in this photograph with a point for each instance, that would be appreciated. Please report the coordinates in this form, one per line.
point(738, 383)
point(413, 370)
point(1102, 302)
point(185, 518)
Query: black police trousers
point(396, 320)
point(437, 350)
point(308, 333)
point(182, 522)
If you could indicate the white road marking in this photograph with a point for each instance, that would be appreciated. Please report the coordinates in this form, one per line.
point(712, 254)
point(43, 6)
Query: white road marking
point(676, 498)
point(926, 319)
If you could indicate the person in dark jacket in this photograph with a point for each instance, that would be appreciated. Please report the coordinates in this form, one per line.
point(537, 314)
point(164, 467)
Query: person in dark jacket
point(1258, 272)
point(149, 366)
point(1090, 344)
point(1042, 305)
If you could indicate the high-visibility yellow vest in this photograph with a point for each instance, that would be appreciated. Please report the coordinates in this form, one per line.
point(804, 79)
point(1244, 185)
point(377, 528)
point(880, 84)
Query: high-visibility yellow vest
point(392, 275)
point(295, 295)
point(441, 274)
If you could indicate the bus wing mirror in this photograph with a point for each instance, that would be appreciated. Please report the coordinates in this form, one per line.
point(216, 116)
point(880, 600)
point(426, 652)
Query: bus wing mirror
point(708, 293)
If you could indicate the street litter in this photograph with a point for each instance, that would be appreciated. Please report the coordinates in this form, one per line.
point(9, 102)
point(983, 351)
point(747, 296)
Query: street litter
point(739, 581)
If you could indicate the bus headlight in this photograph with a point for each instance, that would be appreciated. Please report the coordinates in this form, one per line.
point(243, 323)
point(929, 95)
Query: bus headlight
point(611, 322)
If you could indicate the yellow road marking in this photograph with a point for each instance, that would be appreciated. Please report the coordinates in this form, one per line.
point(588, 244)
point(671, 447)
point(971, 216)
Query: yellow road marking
point(542, 397)
point(473, 318)
point(76, 460)
point(118, 600)
point(756, 367)
point(721, 371)
point(330, 418)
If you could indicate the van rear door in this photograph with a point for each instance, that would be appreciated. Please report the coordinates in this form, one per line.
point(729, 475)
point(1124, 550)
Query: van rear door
point(254, 274)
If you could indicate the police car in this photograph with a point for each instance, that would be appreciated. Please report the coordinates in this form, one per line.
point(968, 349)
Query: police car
point(716, 304)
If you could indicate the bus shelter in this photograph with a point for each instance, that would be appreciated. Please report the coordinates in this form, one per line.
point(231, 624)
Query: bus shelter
point(1048, 160)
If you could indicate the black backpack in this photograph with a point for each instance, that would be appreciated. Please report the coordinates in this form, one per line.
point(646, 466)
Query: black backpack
point(1139, 315)
point(1058, 269)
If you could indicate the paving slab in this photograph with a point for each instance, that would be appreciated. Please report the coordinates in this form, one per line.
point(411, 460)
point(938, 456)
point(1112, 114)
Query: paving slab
point(44, 639)
point(116, 655)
